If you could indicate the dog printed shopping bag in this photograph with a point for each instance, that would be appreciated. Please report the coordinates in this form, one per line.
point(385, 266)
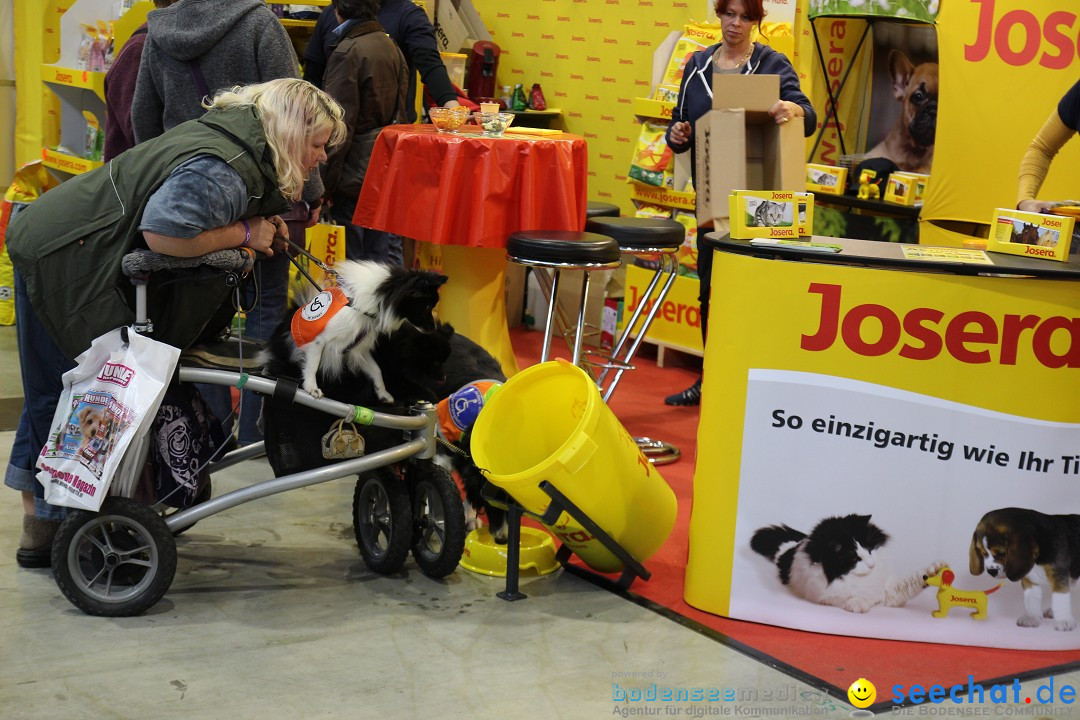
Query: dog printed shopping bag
point(109, 400)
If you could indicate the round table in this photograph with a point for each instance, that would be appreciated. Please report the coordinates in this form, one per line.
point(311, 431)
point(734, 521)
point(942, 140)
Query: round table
point(461, 195)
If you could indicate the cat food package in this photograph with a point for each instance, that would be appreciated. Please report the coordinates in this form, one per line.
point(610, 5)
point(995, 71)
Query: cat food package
point(696, 36)
point(742, 147)
point(826, 179)
point(1030, 234)
point(107, 404)
point(905, 188)
point(652, 156)
point(771, 214)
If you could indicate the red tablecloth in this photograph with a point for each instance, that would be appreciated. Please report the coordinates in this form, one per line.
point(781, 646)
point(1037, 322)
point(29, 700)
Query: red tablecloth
point(471, 190)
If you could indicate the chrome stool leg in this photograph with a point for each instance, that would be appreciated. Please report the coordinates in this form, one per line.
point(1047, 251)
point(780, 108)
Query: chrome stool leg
point(640, 237)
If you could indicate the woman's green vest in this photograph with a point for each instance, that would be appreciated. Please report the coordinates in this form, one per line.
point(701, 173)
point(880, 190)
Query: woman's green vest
point(68, 244)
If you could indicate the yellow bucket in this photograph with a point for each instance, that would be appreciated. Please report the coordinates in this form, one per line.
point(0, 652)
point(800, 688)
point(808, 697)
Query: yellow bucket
point(548, 422)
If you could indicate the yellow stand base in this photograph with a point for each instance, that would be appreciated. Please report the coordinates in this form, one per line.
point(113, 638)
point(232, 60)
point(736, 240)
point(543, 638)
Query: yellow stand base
point(474, 299)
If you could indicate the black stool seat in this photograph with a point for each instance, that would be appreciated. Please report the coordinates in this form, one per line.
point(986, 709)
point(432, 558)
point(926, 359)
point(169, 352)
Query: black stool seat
point(562, 248)
point(639, 234)
point(601, 209)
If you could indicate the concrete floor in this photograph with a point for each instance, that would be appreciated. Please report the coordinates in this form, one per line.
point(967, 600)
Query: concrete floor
point(272, 614)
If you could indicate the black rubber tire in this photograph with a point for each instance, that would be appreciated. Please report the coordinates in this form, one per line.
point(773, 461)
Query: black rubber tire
point(382, 520)
point(116, 562)
point(438, 519)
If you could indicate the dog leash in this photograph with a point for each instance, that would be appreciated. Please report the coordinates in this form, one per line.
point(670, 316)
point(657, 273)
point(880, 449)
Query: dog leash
point(303, 251)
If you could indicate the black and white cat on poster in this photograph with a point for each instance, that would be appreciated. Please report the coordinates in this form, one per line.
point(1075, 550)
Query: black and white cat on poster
point(839, 564)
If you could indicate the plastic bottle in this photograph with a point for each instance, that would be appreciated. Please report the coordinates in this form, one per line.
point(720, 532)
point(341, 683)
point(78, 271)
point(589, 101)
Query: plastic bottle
point(520, 101)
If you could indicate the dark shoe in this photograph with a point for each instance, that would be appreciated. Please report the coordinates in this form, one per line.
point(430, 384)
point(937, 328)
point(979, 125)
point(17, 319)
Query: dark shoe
point(688, 397)
point(35, 545)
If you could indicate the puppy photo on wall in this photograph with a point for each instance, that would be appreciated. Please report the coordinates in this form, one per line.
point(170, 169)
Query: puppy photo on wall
point(903, 113)
point(1039, 551)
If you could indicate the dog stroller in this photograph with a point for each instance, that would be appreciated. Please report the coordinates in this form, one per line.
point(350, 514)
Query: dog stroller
point(121, 560)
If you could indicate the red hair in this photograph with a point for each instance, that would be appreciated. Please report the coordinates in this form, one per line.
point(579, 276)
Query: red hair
point(755, 10)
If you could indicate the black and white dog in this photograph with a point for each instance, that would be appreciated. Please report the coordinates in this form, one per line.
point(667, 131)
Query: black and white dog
point(415, 366)
point(334, 333)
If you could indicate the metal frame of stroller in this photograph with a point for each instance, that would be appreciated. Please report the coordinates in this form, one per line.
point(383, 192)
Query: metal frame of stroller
point(122, 559)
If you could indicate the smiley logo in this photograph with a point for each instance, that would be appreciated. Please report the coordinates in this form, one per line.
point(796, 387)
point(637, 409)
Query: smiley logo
point(862, 692)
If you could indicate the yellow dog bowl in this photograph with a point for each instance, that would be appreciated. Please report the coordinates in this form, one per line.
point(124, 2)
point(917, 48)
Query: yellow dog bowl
point(483, 556)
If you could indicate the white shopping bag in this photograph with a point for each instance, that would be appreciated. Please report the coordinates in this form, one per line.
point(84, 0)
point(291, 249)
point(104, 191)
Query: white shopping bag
point(108, 401)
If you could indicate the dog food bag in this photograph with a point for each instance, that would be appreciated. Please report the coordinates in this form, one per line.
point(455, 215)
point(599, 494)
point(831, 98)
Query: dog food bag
point(109, 399)
point(696, 36)
point(652, 156)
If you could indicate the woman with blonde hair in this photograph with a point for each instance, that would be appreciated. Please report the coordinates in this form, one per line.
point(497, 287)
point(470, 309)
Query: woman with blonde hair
point(221, 181)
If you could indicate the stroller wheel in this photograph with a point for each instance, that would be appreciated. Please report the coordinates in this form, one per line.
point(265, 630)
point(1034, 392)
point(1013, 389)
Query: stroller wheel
point(115, 562)
point(382, 520)
point(438, 538)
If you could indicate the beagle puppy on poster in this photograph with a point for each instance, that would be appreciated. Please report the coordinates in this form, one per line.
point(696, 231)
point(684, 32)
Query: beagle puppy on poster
point(1035, 549)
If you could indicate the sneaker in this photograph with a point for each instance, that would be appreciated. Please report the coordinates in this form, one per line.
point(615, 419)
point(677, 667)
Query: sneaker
point(35, 545)
point(688, 397)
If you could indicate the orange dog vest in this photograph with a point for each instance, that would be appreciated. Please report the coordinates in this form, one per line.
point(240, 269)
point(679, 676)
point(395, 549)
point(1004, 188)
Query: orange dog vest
point(309, 320)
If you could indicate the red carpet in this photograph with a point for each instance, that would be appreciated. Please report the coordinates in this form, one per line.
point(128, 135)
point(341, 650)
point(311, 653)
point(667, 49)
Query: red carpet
point(826, 661)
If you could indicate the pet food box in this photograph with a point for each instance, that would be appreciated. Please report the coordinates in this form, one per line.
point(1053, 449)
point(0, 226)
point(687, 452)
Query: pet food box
point(770, 214)
point(905, 188)
point(740, 146)
point(826, 179)
point(1030, 234)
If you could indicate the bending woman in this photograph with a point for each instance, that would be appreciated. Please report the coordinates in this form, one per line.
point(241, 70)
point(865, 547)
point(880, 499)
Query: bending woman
point(218, 182)
point(735, 55)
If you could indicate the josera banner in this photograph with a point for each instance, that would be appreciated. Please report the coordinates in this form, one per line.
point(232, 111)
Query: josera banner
point(913, 398)
point(1004, 65)
point(1001, 66)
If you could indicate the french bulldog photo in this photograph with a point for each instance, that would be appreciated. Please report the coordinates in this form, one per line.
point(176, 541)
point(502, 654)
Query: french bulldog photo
point(910, 142)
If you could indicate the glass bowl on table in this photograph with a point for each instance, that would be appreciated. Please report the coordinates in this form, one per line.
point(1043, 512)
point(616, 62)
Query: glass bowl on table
point(448, 120)
point(493, 124)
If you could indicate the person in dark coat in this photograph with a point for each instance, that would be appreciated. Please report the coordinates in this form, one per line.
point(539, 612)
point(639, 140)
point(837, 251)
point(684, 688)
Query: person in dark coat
point(120, 91)
point(366, 74)
point(737, 54)
point(409, 27)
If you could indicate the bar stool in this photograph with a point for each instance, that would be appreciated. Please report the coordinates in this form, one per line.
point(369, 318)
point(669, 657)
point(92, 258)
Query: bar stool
point(601, 209)
point(558, 250)
point(640, 237)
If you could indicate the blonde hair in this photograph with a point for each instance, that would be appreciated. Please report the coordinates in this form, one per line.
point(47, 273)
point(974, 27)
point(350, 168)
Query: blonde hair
point(291, 111)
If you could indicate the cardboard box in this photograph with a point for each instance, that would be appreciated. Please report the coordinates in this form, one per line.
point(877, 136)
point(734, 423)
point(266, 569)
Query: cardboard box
point(458, 26)
point(826, 179)
point(451, 32)
point(771, 214)
point(742, 148)
point(1030, 234)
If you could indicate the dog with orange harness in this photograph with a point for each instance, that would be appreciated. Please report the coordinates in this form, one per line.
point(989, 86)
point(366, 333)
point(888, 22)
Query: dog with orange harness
point(949, 597)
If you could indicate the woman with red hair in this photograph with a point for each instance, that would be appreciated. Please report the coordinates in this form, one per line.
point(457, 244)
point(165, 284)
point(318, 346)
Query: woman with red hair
point(737, 54)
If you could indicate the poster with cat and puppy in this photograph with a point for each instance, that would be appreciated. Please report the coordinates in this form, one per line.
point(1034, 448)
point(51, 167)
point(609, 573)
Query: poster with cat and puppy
point(874, 469)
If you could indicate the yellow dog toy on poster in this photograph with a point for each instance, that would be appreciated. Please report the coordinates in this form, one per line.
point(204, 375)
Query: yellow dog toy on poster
point(949, 597)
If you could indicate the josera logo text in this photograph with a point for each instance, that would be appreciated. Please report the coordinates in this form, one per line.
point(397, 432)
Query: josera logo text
point(1028, 33)
point(923, 333)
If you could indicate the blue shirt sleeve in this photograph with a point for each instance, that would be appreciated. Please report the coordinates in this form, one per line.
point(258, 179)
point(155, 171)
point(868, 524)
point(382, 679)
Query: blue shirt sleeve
point(1069, 108)
point(200, 194)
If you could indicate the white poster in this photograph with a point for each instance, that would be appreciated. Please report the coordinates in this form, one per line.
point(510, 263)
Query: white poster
point(926, 471)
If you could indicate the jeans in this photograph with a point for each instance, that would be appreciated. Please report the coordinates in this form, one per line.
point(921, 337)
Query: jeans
point(42, 365)
point(365, 243)
point(271, 276)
